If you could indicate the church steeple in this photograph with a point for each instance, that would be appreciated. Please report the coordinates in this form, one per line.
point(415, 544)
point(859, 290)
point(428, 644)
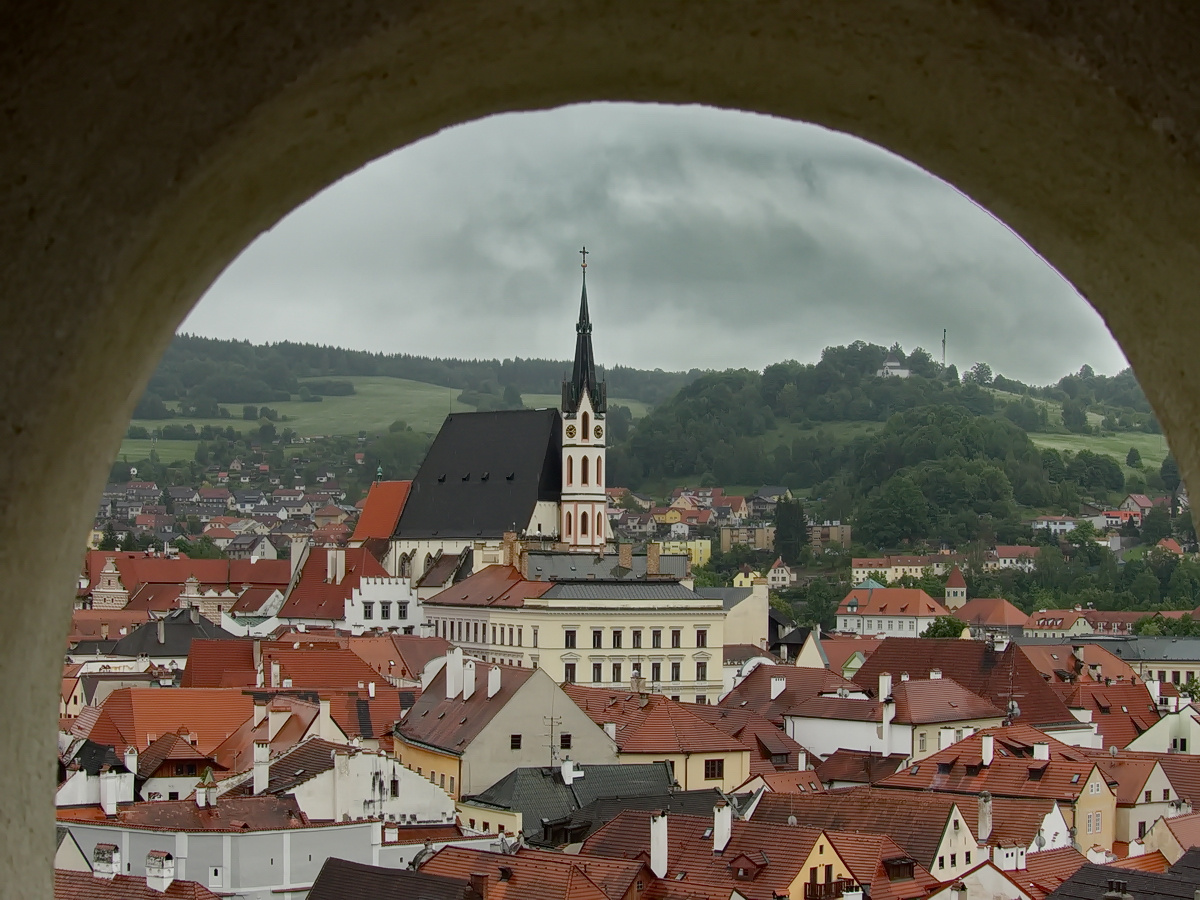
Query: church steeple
point(583, 374)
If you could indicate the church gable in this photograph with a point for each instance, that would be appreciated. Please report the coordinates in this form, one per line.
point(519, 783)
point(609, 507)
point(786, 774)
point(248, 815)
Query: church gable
point(484, 475)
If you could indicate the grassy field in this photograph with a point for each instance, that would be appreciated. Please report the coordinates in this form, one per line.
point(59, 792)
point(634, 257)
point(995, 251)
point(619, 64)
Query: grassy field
point(168, 451)
point(376, 403)
point(1152, 447)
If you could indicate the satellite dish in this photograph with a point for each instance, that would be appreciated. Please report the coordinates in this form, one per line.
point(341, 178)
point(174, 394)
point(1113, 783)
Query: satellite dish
point(133, 471)
point(791, 820)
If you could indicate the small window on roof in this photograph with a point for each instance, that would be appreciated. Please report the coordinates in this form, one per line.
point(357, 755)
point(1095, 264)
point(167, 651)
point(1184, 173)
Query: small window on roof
point(1075, 778)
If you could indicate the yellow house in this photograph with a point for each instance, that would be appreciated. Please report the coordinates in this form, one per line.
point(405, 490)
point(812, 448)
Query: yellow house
point(746, 579)
point(668, 516)
point(698, 551)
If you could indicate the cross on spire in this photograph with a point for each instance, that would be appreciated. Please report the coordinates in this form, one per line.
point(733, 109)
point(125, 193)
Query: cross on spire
point(584, 253)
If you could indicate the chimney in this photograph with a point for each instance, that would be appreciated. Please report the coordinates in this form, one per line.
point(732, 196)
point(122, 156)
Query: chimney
point(1154, 688)
point(802, 756)
point(722, 826)
point(625, 556)
point(886, 714)
point(260, 711)
point(258, 656)
point(987, 749)
point(160, 870)
point(479, 884)
point(652, 554)
point(371, 690)
point(335, 566)
point(1041, 750)
point(610, 728)
point(106, 861)
point(454, 672)
point(1118, 889)
point(493, 687)
point(162, 631)
point(110, 791)
point(194, 615)
point(658, 844)
point(276, 679)
point(104, 631)
point(778, 683)
point(509, 552)
point(885, 686)
point(131, 760)
point(299, 550)
point(262, 766)
point(277, 715)
point(468, 688)
point(570, 771)
point(935, 673)
point(945, 738)
point(985, 817)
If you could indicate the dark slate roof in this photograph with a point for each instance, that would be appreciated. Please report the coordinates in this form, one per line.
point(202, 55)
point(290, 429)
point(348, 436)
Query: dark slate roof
point(180, 628)
point(296, 766)
point(1187, 867)
point(546, 565)
point(599, 813)
point(1091, 881)
point(540, 793)
point(729, 596)
point(92, 757)
point(484, 474)
point(620, 590)
point(340, 879)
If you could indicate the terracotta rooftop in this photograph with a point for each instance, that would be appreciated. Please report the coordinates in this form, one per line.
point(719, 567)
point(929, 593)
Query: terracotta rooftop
point(136, 717)
point(1013, 772)
point(800, 684)
point(977, 667)
point(890, 602)
point(927, 701)
point(315, 596)
point(956, 580)
point(452, 724)
point(399, 655)
point(1121, 710)
point(771, 749)
point(837, 649)
point(858, 766)
point(1058, 662)
point(1153, 861)
point(265, 812)
point(501, 586)
point(173, 748)
point(651, 723)
point(800, 781)
point(1045, 871)
point(990, 611)
point(70, 885)
point(527, 875)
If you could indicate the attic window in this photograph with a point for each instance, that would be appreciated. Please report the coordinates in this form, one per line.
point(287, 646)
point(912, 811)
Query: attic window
point(510, 476)
point(466, 476)
point(945, 767)
point(442, 478)
point(679, 876)
point(1075, 778)
point(914, 770)
point(484, 476)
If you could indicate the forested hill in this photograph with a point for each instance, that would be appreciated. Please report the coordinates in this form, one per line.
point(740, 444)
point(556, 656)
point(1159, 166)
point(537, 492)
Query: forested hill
point(200, 371)
point(946, 450)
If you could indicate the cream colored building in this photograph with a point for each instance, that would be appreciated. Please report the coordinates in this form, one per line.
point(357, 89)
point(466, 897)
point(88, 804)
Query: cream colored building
point(593, 631)
point(698, 551)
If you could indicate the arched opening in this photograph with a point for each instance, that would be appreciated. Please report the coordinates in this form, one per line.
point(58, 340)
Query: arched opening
point(134, 194)
point(583, 524)
point(585, 433)
point(583, 470)
point(599, 470)
point(405, 565)
point(568, 529)
point(570, 469)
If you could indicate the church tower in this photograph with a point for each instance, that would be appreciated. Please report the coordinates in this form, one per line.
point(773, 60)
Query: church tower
point(583, 522)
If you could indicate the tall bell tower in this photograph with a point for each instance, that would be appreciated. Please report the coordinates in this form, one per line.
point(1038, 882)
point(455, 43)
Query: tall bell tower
point(583, 524)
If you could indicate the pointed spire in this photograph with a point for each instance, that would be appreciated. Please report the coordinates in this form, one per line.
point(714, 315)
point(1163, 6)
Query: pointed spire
point(583, 373)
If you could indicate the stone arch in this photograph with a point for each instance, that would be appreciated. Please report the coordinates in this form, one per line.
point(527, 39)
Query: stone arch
point(584, 468)
point(130, 195)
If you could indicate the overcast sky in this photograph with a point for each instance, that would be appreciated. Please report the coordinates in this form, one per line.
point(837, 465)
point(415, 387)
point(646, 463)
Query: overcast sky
point(716, 239)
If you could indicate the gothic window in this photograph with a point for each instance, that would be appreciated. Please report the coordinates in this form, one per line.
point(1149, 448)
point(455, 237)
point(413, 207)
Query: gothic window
point(570, 469)
point(585, 426)
point(583, 523)
point(583, 470)
point(405, 566)
point(428, 562)
point(568, 524)
point(599, 470)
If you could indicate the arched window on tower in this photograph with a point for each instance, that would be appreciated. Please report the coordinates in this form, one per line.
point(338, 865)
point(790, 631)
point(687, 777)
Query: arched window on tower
point(405, 565)
point(583, 524)
point(585, 431)
point(428, 563)
point(599, 470)
point(583, 470)
point(568, 524)
point(570, 470)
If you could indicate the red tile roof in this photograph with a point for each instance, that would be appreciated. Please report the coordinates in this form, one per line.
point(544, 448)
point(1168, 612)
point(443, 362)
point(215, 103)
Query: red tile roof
point(977, 667)
point(764, 740)
point(927, 701)
point(314, 596)
point(1013, 772)
point(451, 725)
point(839, 648)
point(1154, 861)
point(891, 602)
point(1186, 829)
point(651, 723)
point(70, 885)
point(1046, 870)
point(956, 579)
point(1121, 710)
point(492, 586)
point(858, 766)
point(219, 664)
point(1059, 664)
point(754, 691)
point(265, 812)
point(524, 875)
point(299, 721)
point(801, 781)
point(381, 510)
point(136, 717)
point(89, 624)
point(1015, 552)
point(994, 611)
point(399, 655)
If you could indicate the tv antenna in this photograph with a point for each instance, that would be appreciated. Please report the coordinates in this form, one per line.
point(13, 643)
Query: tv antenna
point(943, 348)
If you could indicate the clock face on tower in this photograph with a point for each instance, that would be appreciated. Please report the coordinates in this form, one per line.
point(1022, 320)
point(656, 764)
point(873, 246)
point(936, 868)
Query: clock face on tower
point(598, 432)
point(570, 431)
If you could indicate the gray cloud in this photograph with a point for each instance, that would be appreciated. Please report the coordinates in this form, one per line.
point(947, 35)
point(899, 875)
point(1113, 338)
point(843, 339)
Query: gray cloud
point(719, 239)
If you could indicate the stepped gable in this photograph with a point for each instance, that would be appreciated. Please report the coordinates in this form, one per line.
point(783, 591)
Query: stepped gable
point(340, 879)
point(976, 666)
point(484, 474)
point(800, 684)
